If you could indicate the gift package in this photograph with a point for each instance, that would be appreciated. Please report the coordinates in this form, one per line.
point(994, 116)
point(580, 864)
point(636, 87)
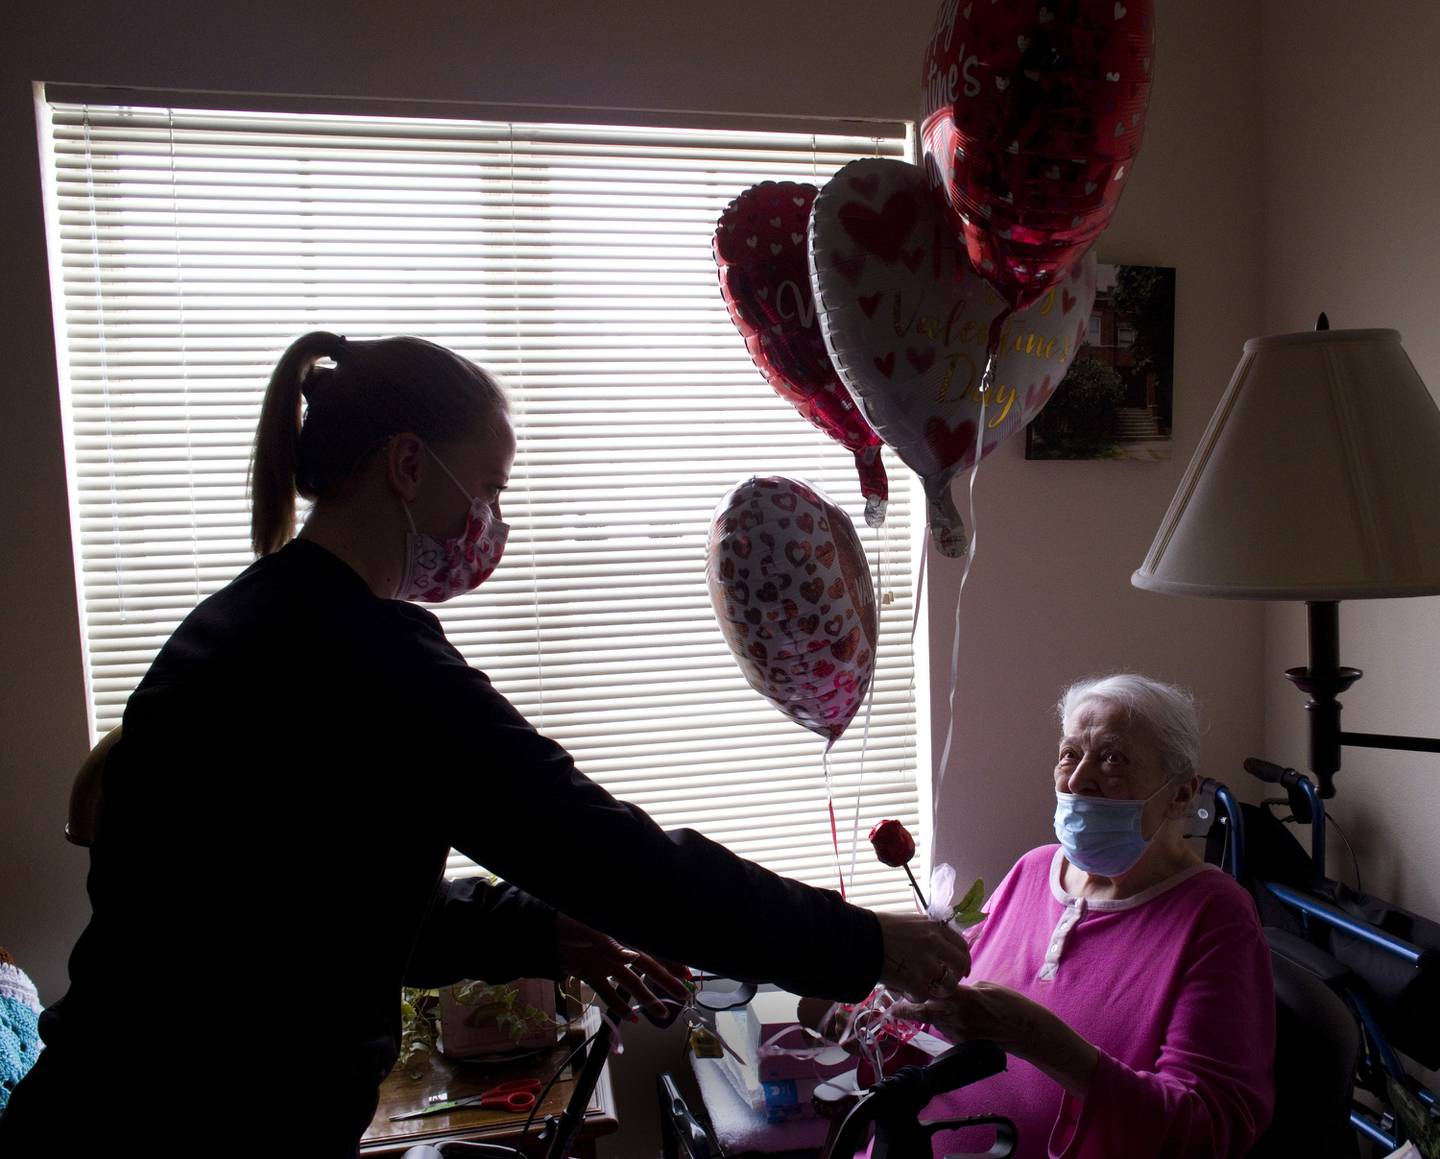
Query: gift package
point(779, 1062)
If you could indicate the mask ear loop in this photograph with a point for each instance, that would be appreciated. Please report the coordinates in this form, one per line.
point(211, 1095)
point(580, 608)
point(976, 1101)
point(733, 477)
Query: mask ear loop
point(1165, 784)
point(407, 553)
point(1165, 817)
point(1187, 807)
point(486, 510)
point(439, 462)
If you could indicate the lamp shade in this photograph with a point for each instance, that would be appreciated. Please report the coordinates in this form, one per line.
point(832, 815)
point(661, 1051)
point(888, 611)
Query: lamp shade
point(1318, 478)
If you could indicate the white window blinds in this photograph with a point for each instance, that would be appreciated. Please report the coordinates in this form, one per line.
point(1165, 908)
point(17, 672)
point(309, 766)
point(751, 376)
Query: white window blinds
point(575, 262)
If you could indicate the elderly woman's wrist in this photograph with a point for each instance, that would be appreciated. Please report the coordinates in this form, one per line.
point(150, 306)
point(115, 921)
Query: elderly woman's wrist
point(1059, 1051)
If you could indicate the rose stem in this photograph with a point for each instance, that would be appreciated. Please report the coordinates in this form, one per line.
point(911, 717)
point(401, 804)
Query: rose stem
point(915, 885)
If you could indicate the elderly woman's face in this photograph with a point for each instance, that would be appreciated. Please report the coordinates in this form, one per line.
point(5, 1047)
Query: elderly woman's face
point(1107, 753)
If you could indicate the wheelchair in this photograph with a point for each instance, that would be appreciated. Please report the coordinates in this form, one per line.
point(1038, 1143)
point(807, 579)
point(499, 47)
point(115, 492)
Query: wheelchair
point(1357, 981)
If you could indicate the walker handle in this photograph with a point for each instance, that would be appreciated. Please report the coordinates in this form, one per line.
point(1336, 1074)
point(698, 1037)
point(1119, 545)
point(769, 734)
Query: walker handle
point(1298, 787)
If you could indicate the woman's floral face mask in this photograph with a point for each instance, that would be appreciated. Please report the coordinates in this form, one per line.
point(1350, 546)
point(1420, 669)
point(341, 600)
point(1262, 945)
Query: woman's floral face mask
point(437, 570)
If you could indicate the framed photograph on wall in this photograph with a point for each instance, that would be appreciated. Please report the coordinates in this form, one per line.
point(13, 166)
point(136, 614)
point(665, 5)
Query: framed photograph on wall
point(1117, 398)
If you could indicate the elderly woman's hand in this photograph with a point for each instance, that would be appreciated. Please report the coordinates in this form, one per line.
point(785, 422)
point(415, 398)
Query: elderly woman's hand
point(983, 1010)
point(923, 958)
point(1016, 1024)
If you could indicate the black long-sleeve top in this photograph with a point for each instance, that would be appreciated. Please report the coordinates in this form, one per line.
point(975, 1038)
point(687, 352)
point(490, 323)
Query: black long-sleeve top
point(294, 769)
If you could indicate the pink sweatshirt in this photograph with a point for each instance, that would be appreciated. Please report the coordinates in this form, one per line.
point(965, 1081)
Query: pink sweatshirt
point(1173, 986)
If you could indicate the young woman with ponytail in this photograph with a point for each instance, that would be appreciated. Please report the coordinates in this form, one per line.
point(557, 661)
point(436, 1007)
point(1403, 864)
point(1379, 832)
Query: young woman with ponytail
point(297, 763)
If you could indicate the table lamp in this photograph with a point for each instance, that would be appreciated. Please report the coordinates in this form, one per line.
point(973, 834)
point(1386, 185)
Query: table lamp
point(1318, 479)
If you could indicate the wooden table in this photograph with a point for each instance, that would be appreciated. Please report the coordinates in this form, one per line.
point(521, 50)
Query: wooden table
point(399, 1093)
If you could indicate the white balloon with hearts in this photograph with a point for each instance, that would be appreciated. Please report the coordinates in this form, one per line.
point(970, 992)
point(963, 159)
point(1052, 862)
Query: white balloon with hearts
point(907, 321)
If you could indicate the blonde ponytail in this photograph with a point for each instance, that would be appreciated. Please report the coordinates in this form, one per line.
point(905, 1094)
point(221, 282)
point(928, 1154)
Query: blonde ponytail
point(275, 463)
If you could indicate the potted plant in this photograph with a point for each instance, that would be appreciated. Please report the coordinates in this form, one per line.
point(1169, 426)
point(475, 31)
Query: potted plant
point(474, 1019)
point(477, 1018)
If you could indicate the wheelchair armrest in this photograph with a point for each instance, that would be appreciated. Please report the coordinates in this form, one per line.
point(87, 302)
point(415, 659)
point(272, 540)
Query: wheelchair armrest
point(1335, 917)
point(1294, 948)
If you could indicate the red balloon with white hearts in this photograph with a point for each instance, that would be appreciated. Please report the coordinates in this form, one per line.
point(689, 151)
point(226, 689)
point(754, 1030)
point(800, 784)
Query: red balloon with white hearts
point(760, 249)
point(792, 594)
point(1034, 111)
point(907, 320)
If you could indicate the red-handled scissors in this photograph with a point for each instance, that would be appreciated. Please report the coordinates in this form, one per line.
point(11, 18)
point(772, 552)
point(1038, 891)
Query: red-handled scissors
point(514, 1095)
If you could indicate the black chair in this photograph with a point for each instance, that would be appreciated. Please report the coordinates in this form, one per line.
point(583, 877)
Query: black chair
point(1317, 1039)
point(1317, 1046)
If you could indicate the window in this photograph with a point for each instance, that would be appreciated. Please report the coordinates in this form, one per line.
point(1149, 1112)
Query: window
point(573, 260)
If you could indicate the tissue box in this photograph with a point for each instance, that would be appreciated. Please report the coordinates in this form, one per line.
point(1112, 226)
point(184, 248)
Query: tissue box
point(776, 1028)
point(778, 1083)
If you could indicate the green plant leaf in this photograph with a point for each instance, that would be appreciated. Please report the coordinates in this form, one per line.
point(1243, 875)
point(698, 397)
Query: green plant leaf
point(973, 897)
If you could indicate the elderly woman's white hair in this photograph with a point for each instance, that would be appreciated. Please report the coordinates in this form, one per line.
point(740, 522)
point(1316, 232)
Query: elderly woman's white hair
point(1168, 709)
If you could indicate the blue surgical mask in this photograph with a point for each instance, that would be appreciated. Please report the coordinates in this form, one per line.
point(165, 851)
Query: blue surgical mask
point(1101, 835)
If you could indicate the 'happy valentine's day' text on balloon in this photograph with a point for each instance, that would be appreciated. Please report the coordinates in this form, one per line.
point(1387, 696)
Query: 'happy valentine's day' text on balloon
point(906, 319)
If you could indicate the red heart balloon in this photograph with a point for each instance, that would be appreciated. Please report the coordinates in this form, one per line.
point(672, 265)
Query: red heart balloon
point(1034, 113)
point(760, 247)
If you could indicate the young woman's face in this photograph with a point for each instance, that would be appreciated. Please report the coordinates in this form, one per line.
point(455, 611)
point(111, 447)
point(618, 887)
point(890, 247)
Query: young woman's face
point(481, 466)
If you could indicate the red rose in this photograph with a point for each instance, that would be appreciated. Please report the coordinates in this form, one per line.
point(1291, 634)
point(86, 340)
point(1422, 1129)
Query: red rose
point(893, 843)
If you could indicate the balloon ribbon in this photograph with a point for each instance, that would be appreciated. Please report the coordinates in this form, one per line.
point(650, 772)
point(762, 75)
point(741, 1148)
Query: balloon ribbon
point(830, 805)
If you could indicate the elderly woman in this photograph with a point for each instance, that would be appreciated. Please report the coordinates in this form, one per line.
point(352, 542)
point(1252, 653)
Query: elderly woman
point(1128, 981)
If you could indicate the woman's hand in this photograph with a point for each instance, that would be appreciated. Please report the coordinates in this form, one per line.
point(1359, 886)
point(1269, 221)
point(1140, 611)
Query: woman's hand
point(607, 967)
point(981, 1011)
point(923, 958)
point(1016, 1024)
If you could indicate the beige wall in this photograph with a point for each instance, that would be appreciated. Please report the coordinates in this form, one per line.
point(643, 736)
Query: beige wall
point(1352, 170)
point(1049, 597)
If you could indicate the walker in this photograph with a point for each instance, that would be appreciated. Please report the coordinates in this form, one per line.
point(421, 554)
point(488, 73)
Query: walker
point(1381, 959)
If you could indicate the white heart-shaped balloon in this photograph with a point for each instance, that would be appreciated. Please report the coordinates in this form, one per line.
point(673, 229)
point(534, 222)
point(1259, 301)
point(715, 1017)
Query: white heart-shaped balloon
point(792, 595)
point(907, 321)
